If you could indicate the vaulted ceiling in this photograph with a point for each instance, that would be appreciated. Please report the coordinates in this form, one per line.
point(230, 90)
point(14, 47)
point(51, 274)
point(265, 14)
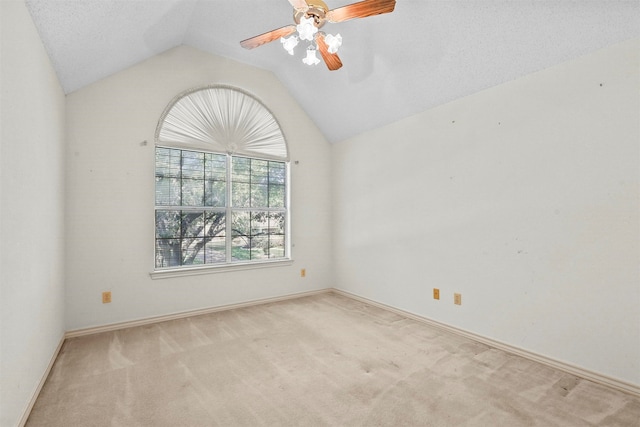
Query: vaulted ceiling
point(425, 53)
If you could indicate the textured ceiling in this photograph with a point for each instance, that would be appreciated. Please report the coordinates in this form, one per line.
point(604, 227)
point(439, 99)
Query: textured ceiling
point(425, 53)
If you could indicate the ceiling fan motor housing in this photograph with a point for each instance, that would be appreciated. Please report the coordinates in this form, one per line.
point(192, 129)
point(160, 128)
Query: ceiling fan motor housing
point(316, 9)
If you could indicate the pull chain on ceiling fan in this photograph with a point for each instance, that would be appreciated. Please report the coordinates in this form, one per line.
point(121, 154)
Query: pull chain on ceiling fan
point(310, 16)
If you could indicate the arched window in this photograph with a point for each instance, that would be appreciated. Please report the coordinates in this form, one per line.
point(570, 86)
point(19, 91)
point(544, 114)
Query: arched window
point(221, 182)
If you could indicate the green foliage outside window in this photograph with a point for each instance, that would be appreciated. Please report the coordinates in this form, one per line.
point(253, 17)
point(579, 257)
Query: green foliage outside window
point(195, 224)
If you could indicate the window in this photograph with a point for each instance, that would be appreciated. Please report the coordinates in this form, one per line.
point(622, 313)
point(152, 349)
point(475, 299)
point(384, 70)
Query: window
point(221, 190)
point(218, 209)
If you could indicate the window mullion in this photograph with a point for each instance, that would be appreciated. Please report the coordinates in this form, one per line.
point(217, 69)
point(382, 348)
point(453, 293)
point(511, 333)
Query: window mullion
point(181, 238)
point(204, 203)
point(228, 214)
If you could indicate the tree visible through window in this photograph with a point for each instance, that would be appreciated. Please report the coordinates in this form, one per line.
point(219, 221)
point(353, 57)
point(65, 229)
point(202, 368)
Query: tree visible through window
point(216, 208)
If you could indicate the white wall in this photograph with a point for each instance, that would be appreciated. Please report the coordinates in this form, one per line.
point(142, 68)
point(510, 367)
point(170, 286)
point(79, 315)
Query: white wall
point(31, 212)
point(110, 194)
point(523, 197)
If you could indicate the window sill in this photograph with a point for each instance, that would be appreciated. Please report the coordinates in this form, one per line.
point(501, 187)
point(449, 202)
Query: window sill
point(196, 271)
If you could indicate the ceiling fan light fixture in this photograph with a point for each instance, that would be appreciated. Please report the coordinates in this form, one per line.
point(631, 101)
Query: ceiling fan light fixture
point(311, 58)
point(306, 29)
point(311, 15)
point(333, 42)
point(289, 43)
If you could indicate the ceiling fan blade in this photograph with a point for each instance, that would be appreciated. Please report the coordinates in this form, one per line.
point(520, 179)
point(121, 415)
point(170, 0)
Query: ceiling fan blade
point(361, 10)
point(331, 59)
point(298, 4)
point(270, 36)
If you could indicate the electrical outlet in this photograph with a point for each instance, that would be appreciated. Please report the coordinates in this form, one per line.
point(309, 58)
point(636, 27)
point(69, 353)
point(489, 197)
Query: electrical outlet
point(303, 272)
point(436, 293)
point(106, 297)
point(457, 299)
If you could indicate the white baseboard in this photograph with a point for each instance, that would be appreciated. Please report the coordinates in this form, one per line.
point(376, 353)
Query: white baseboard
point(36, 393)
point(596, 377)
point(184, 314)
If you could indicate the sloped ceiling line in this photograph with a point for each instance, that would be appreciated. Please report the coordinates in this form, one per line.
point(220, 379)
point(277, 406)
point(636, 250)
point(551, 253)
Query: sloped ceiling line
point(388, 71)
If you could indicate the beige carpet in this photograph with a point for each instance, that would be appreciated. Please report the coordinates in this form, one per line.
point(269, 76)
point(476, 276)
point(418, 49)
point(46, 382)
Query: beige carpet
point(313, 361)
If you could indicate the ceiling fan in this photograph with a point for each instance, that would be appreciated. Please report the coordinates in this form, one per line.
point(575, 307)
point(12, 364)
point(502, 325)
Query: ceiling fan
point(310, 16)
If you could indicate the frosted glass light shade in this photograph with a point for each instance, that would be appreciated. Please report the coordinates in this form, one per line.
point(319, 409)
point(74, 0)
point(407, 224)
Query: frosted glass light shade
point(306, 29)
point(222, 119)
point(333, 42)
point(311, 58)
point(289, 43)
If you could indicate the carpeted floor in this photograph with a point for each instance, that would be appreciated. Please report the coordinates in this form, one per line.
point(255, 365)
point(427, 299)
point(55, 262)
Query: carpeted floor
point(313, 361)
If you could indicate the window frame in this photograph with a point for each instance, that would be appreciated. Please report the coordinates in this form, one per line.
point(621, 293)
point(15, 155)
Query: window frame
point(229, 264)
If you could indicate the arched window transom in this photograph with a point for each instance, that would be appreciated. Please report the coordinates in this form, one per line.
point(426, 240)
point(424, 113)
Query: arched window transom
point(222, 119)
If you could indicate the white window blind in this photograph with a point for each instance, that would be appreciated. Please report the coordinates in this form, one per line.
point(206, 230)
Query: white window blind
point(222, 119)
